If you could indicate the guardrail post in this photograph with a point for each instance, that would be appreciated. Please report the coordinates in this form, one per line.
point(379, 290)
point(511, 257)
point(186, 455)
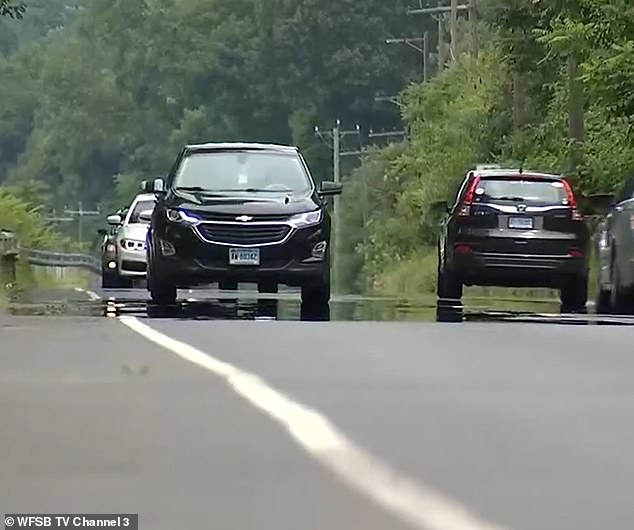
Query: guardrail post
point(8, 257)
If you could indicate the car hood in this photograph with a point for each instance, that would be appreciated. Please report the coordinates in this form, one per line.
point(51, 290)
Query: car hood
point(136, 231)
point(244, 203)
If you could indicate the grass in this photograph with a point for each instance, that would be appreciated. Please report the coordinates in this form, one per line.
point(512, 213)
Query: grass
point(29, 278)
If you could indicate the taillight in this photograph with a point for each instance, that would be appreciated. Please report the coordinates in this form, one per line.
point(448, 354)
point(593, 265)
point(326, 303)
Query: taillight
point(465, 207)
point(576, 252)
point(462, 249)
point(572, 201)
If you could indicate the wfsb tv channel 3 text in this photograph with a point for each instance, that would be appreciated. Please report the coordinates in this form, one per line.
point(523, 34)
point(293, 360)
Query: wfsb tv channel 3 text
point(58, 521)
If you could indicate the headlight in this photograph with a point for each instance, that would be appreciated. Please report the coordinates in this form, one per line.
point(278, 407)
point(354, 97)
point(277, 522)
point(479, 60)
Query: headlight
point(132, 244)
point(179, 216)
point(303, 220)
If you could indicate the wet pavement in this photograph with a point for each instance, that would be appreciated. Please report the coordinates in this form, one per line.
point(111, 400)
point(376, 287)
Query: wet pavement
point(209, 304)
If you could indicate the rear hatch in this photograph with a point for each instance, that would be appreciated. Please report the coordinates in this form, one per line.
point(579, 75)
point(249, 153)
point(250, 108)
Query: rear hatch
point(522, 214)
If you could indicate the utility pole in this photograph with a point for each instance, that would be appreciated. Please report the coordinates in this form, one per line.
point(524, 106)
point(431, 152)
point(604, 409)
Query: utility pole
point(454, 9)
point(441, 45)
point(473, 25)
point(80, 213)
point(453, 29)
point(576, 119)
point(334, 139)
point(425, 56)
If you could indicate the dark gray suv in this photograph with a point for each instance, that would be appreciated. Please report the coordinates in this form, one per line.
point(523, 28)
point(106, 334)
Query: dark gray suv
point(514, 228)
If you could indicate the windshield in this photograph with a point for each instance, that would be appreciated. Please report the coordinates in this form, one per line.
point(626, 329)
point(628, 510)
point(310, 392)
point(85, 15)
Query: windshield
point(141, 206)
point(241, 171)
point(517, 190)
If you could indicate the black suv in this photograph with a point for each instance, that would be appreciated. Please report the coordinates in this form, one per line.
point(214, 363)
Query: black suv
point(239, 212)
point(514, 228)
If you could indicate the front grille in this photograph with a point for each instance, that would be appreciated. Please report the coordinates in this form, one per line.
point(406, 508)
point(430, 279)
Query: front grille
point(232, 217)
point(133, 266)
point(244, 234)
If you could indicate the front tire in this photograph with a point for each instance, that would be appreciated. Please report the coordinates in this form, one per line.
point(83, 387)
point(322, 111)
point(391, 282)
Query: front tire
point(162, 290)
point(318, 294)
point(109, 279)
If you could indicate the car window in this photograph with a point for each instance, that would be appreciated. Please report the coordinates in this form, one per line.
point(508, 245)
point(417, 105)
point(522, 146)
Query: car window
point(241, 171)
point(520, 190)
point(140, 206)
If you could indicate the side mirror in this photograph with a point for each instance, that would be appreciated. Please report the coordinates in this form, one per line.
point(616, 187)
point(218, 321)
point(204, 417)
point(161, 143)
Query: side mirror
point(102, 232)
point(146, 215)
point(153, 186)
point(329, 188)
point(114, 219)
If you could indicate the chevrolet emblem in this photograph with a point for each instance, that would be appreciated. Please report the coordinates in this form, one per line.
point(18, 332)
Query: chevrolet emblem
point(244, 218)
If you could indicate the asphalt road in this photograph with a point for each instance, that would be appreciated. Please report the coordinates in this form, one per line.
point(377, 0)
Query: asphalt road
point(374, 425)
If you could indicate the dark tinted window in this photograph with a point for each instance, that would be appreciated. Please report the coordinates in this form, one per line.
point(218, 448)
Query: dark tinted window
point(242, 170)
point(518, 190)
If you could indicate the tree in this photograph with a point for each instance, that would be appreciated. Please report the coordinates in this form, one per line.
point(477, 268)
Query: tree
point(11, 9)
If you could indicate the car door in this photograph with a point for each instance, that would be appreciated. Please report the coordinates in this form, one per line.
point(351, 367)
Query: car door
point(622, 229)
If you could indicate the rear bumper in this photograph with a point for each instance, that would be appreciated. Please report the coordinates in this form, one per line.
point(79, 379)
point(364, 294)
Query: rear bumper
point(514, 270)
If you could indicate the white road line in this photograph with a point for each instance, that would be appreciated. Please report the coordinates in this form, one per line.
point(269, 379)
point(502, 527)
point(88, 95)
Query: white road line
point(412, 502)
point(91, 294)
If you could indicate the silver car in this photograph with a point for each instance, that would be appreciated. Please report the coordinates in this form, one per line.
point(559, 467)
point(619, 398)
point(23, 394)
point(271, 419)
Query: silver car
point(130, 243)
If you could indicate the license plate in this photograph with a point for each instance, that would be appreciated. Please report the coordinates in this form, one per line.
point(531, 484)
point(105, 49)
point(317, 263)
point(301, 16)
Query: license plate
point(523, 223)
point(244, 256)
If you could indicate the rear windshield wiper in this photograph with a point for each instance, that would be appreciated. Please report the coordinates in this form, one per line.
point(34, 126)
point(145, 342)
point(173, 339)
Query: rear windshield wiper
point(254, 190)
point(514, 199)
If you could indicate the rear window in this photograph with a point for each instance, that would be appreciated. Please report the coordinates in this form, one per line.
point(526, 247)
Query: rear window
point(519, 190)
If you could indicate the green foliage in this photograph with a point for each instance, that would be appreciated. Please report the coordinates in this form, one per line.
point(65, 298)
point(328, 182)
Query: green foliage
point(22, 217)
point(11, 9)
point(107, 96)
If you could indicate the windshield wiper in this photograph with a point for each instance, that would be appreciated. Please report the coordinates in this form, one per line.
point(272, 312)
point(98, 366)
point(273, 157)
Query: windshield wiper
point(198, 189)
point(190, 188)
point(514, 199)
point(254, 190)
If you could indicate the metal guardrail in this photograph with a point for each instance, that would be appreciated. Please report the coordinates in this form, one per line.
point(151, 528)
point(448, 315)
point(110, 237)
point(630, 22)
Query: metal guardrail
point(8, 243)
point(45, 258)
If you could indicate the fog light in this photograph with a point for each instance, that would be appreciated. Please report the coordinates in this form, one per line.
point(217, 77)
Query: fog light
point(112, 265)
point(319, 250)
point(167, 249)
